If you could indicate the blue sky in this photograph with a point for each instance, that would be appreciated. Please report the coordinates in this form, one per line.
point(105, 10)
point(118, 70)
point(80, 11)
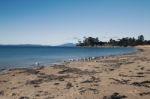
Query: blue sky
point(53, 22)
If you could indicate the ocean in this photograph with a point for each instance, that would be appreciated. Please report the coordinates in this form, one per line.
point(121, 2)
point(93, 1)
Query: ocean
point(28, 56)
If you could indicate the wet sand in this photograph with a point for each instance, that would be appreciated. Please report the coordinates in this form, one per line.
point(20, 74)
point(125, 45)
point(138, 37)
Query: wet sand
point(115, 77)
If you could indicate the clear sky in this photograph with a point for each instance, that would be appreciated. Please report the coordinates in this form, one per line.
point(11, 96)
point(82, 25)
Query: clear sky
point(53, 22)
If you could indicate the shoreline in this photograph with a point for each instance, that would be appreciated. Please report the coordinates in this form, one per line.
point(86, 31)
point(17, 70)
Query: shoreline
point(84, 59)
point(125, 76)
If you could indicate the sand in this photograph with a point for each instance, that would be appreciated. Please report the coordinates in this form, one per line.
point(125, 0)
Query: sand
point(115, 77)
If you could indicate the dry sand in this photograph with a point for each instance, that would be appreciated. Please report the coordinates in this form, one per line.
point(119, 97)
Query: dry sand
point(119, 77)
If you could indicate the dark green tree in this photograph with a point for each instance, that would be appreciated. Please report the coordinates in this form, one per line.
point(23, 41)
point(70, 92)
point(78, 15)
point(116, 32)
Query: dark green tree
point(127, 41)
point(140, 40)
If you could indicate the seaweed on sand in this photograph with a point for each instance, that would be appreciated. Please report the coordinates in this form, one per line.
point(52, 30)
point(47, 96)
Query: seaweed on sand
point(143, 83)
point(122, 81)
point(115, 96)
point(91, 80)
point(24, 97)
point(144, 93)
point(69, 85)
point(1, 93)
point(47, 78)
point(73, 70)
point(83, 90)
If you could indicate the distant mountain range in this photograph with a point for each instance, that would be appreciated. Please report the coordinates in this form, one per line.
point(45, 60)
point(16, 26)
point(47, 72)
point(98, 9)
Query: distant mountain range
point(67, 45)
point(36, 45)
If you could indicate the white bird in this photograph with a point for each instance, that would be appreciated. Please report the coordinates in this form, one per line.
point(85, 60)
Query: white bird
point(37, 63)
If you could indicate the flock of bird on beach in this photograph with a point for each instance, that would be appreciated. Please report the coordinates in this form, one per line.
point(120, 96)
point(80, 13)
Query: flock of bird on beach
point(80, 59)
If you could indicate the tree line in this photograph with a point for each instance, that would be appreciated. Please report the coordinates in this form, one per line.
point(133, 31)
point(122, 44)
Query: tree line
point(123, 42)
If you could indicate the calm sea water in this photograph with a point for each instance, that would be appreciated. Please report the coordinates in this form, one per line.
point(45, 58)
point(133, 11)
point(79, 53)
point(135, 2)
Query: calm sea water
point(14, 57)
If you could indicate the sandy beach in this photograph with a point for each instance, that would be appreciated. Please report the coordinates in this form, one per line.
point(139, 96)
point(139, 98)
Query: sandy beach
point(115, 77)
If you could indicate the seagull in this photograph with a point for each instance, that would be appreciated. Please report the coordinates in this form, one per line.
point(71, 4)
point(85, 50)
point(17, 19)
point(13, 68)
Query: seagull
point(37, 63)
